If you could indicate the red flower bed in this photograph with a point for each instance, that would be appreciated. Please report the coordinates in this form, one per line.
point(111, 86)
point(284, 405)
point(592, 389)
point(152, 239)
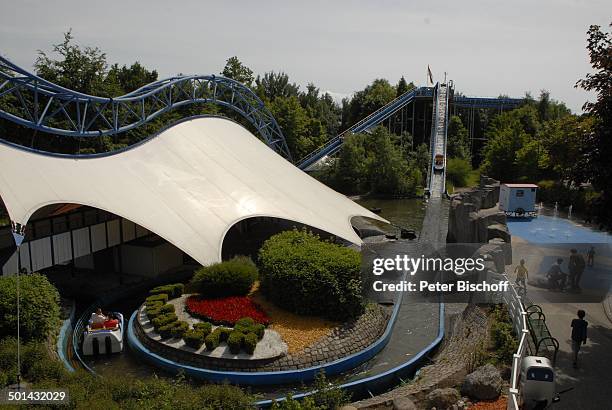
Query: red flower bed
point(226, 311)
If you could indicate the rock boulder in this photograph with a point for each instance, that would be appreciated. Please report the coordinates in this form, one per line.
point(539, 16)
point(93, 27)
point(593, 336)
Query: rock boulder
point(485, 383)
point(443, 398)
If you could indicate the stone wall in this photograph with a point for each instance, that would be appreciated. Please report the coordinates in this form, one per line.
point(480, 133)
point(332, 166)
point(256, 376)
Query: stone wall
point(474, 217)
point(467, 329)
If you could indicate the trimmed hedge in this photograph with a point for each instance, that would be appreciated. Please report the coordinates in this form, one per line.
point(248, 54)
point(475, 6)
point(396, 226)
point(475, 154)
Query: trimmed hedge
point(250, 342)
point(154, 304)
point(224, 333)
point(159, 297)
point(163, 320)
point(194, 338)
point(212, 341)
point(231, 278)
point(173, 290)
point(305, 275)
point(234, 341)
point(40, 312)
point(203, 327)
point(180, 328)
point(248, 325)
point(157, 310)
point(165, 331)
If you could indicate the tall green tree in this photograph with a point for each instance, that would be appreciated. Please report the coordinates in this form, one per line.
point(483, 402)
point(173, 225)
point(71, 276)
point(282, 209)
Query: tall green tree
point(458, 144)
point(598, 150)
point(273, 85)
point(236, 70)
point(366, 101)
point(403, 87)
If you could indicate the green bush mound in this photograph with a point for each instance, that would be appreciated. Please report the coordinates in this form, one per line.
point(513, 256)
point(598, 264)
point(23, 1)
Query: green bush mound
point(40, 312)
point(230, 278)
point(234, 341)
point(163, 297)
point(180, 328)
point(217, 336)
point(305, 275)
point(204, 327)
point(224, 333)
point(165, 331)
point(154, 303)
point(247, 325)
point(194, 338)
point(212, 341)
point(250, 342)
point(163, 320)
point(173, 290)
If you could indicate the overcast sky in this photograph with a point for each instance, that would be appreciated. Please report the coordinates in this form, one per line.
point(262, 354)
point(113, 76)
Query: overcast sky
point(341, 46)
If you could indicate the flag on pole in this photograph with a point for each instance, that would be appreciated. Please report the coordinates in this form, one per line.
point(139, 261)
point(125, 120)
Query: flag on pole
point(429, 76)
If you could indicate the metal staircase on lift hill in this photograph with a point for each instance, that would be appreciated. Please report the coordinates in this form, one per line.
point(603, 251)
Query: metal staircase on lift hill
point(378, 116)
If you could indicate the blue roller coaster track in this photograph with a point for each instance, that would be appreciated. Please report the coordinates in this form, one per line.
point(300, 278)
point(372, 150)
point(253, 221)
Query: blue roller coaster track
point(335, 144)
point(44, 106)
point(480, 102)
point(378, 116)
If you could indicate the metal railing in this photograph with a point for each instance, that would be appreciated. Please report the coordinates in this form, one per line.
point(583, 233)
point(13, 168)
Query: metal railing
point(375, 117)
point(516, 309)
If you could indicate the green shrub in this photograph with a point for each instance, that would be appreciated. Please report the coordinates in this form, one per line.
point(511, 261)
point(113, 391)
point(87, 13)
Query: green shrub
point(166, 331)
point(231, 278)
point(247, 325)
point(234, 341)
point(121, 391)
point(250, 342)
point(303, 274)
point(203, 327)
point(154, 303)
point(153, 313)
point(212, 340)
point(458, 171)
point(179, 329)
point(193, 338)
point(167, 308)
point(259, 330)
point(164, 319)
point(163, 297)
point(245, 322)
point(173, 291)
point(244, 325)
point(40, 311)
point(224, 333)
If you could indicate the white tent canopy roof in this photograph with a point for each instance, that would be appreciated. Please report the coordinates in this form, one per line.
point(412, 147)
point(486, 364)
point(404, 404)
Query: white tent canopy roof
point(189, 185)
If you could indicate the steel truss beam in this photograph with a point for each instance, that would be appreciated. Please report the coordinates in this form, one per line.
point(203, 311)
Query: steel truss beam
point(44, 106)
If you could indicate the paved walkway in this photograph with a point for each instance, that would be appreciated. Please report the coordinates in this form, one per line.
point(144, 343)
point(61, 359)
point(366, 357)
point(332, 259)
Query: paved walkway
point(592, 380)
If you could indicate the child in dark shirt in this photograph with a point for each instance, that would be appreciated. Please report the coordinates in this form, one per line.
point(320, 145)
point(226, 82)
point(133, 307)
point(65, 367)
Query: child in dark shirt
point(579, 334)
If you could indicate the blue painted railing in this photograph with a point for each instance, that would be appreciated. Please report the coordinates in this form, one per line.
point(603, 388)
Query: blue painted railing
point(378, 116)
point(479, 102)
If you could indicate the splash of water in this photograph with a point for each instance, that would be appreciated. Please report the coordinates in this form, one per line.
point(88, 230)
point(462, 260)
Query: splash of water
point(569, 212)
point(556, 212)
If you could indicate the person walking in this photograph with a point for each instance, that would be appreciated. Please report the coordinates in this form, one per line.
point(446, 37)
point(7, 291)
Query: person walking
point(579, 334)
point(522, 274)
point(576, 266)
point(591, 256)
